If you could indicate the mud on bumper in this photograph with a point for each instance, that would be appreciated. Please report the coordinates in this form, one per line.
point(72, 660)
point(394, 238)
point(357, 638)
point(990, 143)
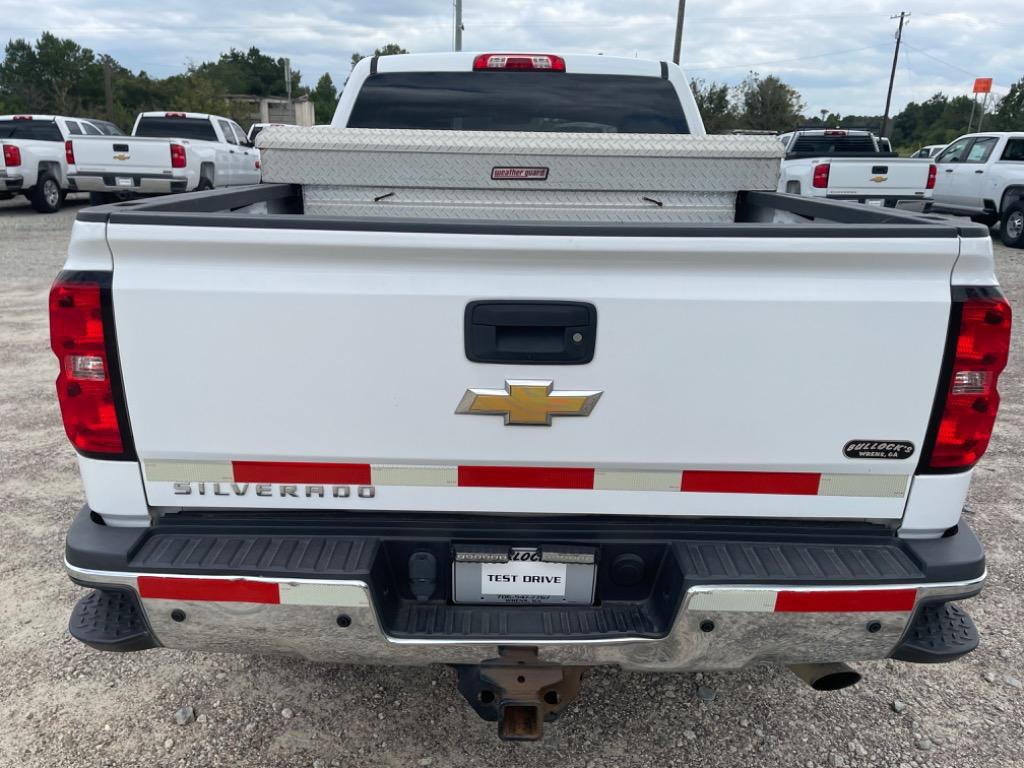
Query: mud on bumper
point(697, 595)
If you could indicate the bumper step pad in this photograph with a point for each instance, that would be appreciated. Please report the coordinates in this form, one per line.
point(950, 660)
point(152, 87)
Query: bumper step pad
point(111, 620)
point(940, 632)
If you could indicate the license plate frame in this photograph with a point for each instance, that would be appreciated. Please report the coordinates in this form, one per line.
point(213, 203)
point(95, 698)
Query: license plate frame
point(524, 575)
point(124, 181)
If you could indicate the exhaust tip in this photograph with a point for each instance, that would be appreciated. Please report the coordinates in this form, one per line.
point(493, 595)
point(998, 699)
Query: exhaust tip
point(836, 680)
point(826, 677)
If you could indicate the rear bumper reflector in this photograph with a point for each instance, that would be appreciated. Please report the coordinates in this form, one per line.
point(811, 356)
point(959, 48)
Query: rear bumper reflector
point(264, 592)
point(806, 601)
point(569, 478)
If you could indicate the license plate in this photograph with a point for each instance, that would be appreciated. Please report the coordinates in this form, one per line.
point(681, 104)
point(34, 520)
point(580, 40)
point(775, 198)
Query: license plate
point(124, 181)
point(524, 576)
point(876, 203)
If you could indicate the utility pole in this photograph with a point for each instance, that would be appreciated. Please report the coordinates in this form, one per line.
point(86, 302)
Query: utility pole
point(458, 25)
point(903, 16)
point(108, 88)
point(677, 51)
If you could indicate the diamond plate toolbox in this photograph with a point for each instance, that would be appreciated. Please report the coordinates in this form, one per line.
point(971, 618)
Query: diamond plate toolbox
point(524, 176)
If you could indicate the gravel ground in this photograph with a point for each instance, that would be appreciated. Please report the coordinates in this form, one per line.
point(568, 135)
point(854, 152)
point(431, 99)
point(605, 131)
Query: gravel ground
point(62, 704)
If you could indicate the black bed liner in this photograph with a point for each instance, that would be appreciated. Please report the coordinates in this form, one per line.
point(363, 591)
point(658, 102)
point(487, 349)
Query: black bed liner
point(826, 218)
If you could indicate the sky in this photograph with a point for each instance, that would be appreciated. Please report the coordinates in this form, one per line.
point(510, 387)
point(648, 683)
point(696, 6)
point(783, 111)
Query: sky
point(838, 55)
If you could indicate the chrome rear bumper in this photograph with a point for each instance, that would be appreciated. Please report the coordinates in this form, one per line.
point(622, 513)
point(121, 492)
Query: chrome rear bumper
point(716, 628)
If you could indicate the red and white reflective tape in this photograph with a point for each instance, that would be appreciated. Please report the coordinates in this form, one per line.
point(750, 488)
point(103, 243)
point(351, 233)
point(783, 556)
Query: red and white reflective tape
point(716, 599)
point(755, 600)
point(506, 476)
point(194, 589)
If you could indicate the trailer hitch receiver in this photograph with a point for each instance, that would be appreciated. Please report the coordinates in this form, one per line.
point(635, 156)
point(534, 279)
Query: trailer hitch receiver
point(519, 691)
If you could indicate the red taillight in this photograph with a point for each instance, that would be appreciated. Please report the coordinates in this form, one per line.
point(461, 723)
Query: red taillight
point(820, 176)
point(933, 171)
point(69, 152)
point(78, 339)
point(12, 156)
point(177, 156)
point(541, 62)
point(257, 165)
point(971, 398)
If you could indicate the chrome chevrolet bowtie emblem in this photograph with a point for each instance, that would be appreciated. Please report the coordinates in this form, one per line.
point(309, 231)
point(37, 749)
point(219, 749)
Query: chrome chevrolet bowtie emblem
point(528, 402)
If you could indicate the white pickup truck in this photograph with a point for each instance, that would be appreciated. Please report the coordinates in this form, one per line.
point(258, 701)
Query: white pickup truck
point(167, 152)
point(526, 402)
point(36, 159)
point(844, 164)
point(981, 175)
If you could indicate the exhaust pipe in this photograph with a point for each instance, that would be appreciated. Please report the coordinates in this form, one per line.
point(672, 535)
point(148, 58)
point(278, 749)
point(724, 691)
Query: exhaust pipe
point(826, 677)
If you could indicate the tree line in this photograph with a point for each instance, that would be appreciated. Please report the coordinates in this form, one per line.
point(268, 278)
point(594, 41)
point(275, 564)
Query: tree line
point(56, 75)
point(768, 103)
point(59, 76)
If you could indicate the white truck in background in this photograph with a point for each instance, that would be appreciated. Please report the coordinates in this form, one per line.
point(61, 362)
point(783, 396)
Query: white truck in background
point(167, 152)
point(846, 164)
point(981, 175)
point(256, 128)
point(36, 159)
point(475, 380)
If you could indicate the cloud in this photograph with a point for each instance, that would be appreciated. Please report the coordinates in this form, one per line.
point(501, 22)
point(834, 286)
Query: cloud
point(837, 56)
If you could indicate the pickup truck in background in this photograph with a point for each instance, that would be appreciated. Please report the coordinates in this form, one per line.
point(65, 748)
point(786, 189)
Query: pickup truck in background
point(473, 379)
point(981, 175)
point(929, 151)
point(256, 128)
point(36, 159)
point(167, 152)
point(844, 164)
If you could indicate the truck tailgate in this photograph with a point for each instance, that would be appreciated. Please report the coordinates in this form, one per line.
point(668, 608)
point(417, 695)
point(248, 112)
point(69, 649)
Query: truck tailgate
point(882, 176)
point(322, 369)
point(129, 154)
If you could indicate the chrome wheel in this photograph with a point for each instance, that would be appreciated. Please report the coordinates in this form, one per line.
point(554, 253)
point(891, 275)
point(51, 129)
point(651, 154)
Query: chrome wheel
point(51, 192)
point(1015, 225)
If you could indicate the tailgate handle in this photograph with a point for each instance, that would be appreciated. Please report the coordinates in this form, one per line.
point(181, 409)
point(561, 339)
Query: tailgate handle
point(880, 169)
point(120, 147)
point(531, 332)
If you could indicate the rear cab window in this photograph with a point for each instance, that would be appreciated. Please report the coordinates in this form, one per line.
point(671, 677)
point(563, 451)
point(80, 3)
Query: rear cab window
point(34, 130)
point(518, 101)
point(197, 128)
point(1014, 150)
point(830, 144)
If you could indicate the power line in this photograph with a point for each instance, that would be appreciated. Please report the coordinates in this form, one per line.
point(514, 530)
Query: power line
point(936, 58)
point(698, 68)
